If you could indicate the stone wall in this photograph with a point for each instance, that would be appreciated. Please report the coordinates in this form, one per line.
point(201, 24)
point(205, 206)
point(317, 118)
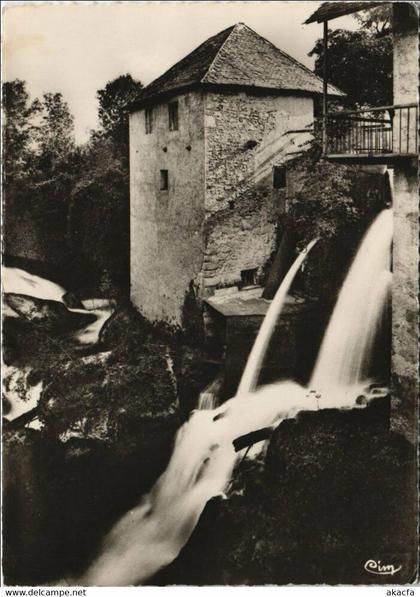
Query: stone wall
point(405, 76)
point(244, 138)
point(404, 414)
point(405, 52)
point(33, 240)
point(166, 226)
point(405, 302)
point(23, 238)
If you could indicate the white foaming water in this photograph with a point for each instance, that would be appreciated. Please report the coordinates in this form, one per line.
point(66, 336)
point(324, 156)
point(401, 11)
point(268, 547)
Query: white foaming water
point(345, 353)
point(90, 333)
point(209, 397)
point(207, 401)
point(152, 535)
point(252, 369)
point(19, 394)
point(20, 282)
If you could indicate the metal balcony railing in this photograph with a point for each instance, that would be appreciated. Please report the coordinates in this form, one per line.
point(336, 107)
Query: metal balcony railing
point(389, 130)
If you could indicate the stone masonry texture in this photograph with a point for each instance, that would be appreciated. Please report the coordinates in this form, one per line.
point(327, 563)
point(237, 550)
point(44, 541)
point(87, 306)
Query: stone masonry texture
point(244, 140)
point(219, 215)
point(405, 364)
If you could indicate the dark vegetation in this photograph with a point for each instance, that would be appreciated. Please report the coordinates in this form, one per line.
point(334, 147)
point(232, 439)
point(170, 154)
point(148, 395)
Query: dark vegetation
point(109, 418)
point(75, 198)
point(109, 424)
point(335, 488)
point(360, 62)
point(334, 203)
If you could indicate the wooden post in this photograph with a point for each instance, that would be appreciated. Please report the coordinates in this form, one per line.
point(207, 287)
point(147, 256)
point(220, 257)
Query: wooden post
point(325, 92)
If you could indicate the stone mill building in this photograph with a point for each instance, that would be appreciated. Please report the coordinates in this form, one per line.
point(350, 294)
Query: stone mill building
point(209, 140)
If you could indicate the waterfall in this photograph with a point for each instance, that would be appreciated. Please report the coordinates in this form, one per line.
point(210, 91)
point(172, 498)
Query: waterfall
point(209, 397)
point(151, 536)
point(253, 366)
point(345, 353)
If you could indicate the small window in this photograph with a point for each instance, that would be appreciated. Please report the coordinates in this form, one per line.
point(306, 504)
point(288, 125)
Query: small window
point(279, 177)
point(173, 116)
point(164, 180)
point(148, 115)
point(248, 277)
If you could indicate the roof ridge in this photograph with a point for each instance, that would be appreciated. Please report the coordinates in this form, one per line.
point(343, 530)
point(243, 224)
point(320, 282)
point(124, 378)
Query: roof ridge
point(299, 64)
point(238, 55)
point(232, 28)
point(187, 55)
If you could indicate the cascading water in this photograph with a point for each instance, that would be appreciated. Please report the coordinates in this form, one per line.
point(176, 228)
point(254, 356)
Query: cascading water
point(249, 378)
point(345, 353)
point(252, 369)
point(152, 535)
point(18, 281)
point(209, 397)
point(20, 396)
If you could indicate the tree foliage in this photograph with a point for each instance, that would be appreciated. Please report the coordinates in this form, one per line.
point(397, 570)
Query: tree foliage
point(334, 203)
point(113, 117)
point(38, 134)
point(54, 134)
point(99, 214)
point(330, 198)
point(19, 129)
point(360, 64)
point(39, 161)
point(98, 222)
point(77, 194)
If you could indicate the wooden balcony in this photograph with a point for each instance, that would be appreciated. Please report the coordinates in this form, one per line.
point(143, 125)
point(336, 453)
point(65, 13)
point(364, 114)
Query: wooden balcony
point(372, 136)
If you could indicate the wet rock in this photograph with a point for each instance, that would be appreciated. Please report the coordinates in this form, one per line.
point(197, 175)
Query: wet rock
point(108, 422)
point(11, 350)
point(34, 377)
point(309, 438)
point(6, 406)
point(46, 314)
point(31, 507)
point(122, 322)
point(72, 301)
point(335, 490)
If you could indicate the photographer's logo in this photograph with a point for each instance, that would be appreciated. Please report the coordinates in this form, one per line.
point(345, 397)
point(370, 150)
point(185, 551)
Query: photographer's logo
point(376, 567)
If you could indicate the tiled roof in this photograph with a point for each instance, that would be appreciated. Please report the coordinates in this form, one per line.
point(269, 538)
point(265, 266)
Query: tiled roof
point(191, 69)
point(333, 10)
point(238, 56)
